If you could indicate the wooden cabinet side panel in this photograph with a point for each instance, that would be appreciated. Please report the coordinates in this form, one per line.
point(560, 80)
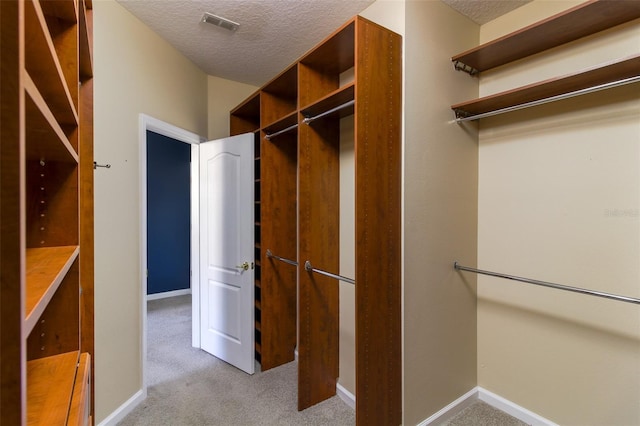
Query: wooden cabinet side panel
point(86, 227)
point(378, 237)
point(12, 367)
point(318, 233)
point(278, 227)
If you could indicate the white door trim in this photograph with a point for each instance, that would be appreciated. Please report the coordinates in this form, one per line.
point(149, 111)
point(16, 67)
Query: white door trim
point(147, 122)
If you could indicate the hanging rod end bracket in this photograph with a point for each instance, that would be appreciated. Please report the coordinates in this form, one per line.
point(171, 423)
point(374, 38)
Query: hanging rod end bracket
point(307, 266)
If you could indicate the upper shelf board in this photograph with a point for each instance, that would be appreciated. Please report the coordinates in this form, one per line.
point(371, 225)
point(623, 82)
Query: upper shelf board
point(572, 24)
point(627, 69)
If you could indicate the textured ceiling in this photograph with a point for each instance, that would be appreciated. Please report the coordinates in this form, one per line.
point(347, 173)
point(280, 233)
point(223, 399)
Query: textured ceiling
point(483, 11)
point(272, 33)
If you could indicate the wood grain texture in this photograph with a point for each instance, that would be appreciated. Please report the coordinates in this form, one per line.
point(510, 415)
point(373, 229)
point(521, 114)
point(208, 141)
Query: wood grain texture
point(50, 386)
point(319, 243)
point(378, 237)
point(246, 116)
point(279, 97)
point(278, 182)
point(78, 410)
point(87, 241)
point(57, 329)
point(12, 368)
point(582, 20)
point(52, 204)
point(46, 268)
point(42, 64)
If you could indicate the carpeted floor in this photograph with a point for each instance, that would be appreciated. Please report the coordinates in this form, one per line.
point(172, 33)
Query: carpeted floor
point(187, 386)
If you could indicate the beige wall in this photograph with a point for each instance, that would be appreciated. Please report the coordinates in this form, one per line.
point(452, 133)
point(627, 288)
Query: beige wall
point(559, 196)
point(135, 72)
point(224, 95)
point(440, 213)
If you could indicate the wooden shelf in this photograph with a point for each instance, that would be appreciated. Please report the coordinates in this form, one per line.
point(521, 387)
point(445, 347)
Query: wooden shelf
point(580, 21)
point(65, 10)
point(43, 65)
point(50, 383)
point(284, 122)
point(86, 51)
point(48, 142)
point(279, 98)
point(45, 138)
point(79, 409)
point(246, 116)
point(608, 73)
point(332, 100)
point(46, 268)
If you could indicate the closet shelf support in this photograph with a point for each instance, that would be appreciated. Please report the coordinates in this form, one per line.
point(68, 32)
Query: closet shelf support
point(462, 115)
point(309, 120)
point(309, 268)
point(281, 259)
point(627, 299)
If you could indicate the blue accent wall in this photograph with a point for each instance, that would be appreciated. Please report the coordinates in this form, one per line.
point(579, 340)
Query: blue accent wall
point(168, 214)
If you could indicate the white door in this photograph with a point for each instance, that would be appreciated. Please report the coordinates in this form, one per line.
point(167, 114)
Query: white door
point(227, 250)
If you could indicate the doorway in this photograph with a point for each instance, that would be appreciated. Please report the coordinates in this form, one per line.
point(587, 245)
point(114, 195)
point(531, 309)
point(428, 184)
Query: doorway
point(149, 124)
point(168, 217)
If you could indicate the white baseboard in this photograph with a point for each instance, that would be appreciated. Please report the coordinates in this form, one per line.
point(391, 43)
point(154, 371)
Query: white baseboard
point(452, 409)
point(346, 396)
point(513, 409)
point(122, 411)
point(166, 294)
point(492, 399)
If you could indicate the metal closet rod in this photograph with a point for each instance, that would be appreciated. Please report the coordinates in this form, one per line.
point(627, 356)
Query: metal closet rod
point(309, 120)
point(279, 132)
point(309, 268)
point(551, 99)
point(281, 259)
point(548, 284)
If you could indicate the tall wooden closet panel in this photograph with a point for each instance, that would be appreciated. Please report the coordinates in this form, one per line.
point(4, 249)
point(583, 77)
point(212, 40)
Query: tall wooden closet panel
point(300, 112)
point(319, 243)
point(278, 225)
point(378, 185)
point(46, 189)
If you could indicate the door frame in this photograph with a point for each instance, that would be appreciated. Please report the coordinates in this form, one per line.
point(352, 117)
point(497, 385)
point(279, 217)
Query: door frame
point(147, 123)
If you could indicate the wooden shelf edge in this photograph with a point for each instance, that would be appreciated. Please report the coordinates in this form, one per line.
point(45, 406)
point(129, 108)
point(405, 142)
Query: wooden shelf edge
point(599, 75)
point(580, 21)
point(65, 10)
point(86, 53)
point(64, 111)
point(282, 123)
point(50, 383)
point(247, 109)
point(334, 99)
point(46, 113)
point(46, 268)
point(79, 409)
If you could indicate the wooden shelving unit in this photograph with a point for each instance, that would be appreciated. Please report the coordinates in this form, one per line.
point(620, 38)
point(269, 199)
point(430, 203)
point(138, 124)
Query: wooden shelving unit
point(47, 269)
point(299, 214)
point(583, 20)
point(580, 21)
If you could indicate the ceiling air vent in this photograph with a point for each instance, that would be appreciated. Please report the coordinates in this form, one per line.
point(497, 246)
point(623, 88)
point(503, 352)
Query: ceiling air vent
point(210, 18)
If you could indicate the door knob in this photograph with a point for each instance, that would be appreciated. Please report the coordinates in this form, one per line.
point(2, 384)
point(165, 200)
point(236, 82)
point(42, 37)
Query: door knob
point(244, 266)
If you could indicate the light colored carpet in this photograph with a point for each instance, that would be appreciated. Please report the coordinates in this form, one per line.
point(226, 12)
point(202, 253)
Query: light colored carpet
point(481, 414)
point(187, 386)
